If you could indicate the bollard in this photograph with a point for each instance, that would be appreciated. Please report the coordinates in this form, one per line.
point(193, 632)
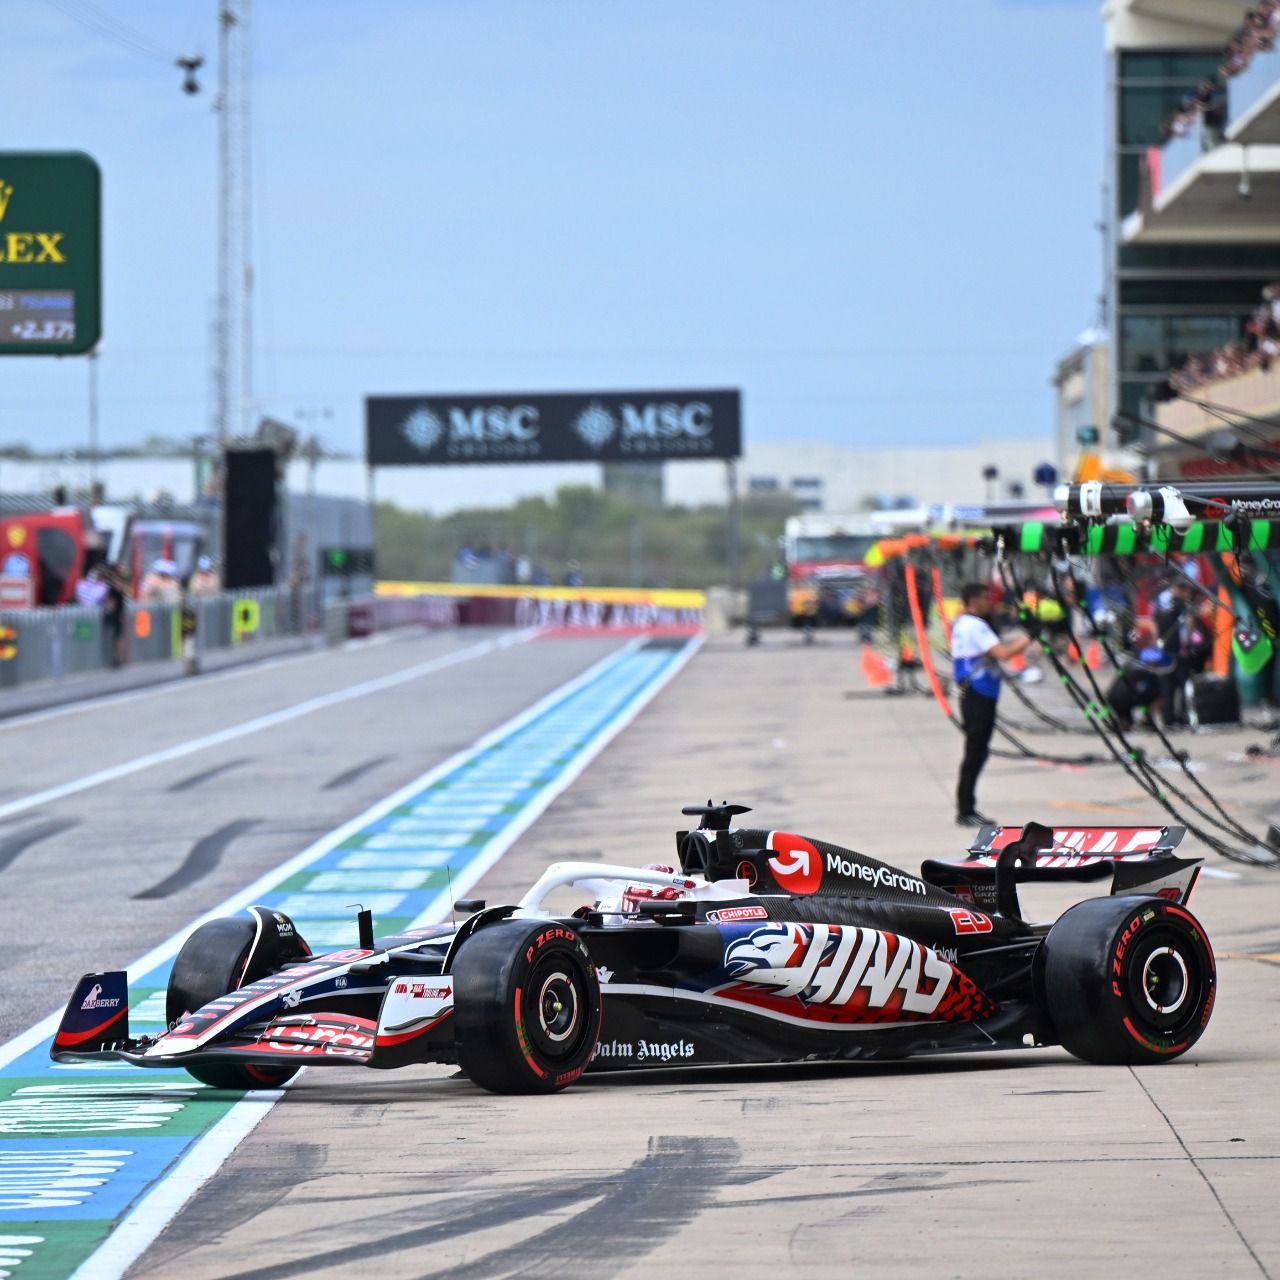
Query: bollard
point(189, 624)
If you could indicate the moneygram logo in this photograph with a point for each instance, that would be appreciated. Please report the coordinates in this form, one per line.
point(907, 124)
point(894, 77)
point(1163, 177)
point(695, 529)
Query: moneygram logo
point(797, 865)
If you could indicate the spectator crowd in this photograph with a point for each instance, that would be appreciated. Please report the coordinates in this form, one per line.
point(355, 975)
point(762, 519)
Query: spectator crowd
point(1257, 34)
point(1256, 348)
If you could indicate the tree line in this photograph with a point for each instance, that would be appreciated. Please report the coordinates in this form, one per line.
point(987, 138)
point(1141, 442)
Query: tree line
point(605, 539)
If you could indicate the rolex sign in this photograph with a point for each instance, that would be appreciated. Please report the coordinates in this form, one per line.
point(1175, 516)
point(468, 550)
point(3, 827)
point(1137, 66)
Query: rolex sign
point(50, 253)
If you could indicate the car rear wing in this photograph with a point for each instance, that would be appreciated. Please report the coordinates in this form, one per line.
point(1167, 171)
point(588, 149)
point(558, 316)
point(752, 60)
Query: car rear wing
point(1137, 860)
point(1084, 842)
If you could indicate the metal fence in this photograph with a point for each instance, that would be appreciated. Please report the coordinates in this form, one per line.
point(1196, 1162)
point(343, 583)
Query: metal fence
point(48, 644)
point(51, 643)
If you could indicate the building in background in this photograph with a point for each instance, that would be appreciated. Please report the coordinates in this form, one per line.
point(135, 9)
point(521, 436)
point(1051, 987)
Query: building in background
point(1194, 159)
point(819, 474)
point(1082, 419)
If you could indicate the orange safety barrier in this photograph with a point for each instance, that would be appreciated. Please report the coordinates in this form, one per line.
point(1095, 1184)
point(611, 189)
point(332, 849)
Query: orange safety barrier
point(917, 617)
point(1223, 619)
point(875, 669)
point(937, 604)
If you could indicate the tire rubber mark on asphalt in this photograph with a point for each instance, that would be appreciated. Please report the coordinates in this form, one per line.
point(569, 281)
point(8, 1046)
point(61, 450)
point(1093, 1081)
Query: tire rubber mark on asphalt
point(259, 723)
point(205, 855)
point(636, 1210)
point(348, 776)
point(195, 779)
point(18, 844)
point(170, 1134)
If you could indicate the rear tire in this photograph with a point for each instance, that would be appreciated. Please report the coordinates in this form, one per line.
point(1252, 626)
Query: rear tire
point(1128, 980)
point(211, 964)
point(526, 1007)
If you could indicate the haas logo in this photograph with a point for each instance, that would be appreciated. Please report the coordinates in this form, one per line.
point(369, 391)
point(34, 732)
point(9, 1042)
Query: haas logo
point(774, 947)
point(797, 865)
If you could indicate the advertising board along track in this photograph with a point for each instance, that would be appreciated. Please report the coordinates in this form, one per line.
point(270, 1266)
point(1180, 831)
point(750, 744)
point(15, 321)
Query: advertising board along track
point(95, 1160)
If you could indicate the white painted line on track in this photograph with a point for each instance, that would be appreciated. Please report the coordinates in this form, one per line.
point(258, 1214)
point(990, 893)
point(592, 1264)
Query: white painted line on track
point(30, 1038)
point(514, 830)
point(23, 719)
point(173, 684)
point(259, 723)
point(139, 1228)
point(157, 1209)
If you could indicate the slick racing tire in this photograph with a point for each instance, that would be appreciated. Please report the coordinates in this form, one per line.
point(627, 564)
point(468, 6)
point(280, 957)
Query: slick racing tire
point(1128, 980)
point(210, 964)
point(526, 1005)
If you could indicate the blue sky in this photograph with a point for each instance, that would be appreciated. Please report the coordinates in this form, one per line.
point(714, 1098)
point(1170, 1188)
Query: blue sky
point(877, 218)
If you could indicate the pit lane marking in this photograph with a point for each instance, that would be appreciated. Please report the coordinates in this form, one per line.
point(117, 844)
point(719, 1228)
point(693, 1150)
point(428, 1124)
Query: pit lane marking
point(171, 684)
point(259, 723)
point(161, 1169)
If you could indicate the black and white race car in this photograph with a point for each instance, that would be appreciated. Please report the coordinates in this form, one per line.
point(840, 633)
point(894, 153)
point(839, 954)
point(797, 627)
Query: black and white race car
point(761, 946)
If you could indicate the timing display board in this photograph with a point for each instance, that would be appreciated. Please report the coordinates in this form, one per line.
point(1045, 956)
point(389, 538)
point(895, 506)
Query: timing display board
point(582, 426)
point(50, 253)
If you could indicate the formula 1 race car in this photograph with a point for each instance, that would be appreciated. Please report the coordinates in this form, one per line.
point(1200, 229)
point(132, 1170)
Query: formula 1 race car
point(762, 946)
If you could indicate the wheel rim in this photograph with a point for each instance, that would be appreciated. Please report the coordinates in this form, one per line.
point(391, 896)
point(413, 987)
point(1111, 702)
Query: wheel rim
point(557, 1003)
point(1166, 982)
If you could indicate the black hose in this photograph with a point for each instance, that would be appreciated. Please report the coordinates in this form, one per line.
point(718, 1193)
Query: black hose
point(1097, 714)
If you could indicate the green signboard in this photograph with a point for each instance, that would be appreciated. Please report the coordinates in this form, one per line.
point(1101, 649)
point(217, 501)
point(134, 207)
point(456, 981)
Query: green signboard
point(50, 253)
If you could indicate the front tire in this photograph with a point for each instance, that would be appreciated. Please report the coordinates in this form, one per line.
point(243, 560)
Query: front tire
point(1128, 980)
point(526, 1007)
point(212, 963)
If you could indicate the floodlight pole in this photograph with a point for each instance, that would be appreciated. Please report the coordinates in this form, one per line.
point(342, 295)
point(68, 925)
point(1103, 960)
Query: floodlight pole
point(222, 377)
point(93, 423)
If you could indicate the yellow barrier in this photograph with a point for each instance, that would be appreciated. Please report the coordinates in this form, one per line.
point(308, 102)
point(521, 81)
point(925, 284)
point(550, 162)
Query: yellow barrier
point(245, 619)
point(662, 598)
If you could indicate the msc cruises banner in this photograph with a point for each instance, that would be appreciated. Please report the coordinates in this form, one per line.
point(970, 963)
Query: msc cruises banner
point(600, 426)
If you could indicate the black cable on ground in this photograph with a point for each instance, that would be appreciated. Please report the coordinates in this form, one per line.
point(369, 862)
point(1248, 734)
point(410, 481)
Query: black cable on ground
point(922, 640)
point(1097, 713)
point(1225, 821)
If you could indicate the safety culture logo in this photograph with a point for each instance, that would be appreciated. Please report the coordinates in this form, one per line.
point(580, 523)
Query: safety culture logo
point(27, 246)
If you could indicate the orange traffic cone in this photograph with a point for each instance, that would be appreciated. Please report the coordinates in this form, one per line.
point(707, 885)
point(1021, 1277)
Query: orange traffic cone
point(1093, 656)
point(1018, 663)
point(875, 669)
point(1073, 651)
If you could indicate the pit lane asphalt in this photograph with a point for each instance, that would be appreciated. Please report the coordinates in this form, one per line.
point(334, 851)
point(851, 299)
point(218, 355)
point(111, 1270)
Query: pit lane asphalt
point(1011, 1164)
point(95, 878)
